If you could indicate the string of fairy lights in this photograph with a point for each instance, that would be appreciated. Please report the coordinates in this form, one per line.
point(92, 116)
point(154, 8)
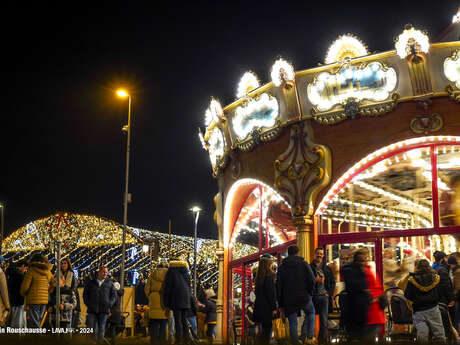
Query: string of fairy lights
point(90, 242)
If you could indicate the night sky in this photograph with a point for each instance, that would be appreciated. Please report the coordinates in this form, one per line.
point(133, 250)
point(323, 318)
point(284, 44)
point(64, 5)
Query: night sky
point(61, 139)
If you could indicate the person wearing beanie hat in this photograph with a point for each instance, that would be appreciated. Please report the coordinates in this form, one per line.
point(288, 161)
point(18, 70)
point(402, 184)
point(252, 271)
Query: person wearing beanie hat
point(439, 257)
point(446, 290)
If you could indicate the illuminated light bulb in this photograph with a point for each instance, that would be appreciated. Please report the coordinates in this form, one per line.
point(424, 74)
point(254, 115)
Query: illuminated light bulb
point(346, 46)
point(282, 72)
point(411, 40)
point(247, 83)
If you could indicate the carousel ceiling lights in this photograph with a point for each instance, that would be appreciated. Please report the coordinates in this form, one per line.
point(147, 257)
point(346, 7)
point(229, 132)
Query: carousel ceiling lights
point(247, 83)
point(411, 41)
point(353, 171)
point(452, 68)
point(282, 72)
point(346, 46)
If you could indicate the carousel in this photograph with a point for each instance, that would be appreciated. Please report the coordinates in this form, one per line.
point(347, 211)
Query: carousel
point(362, 151)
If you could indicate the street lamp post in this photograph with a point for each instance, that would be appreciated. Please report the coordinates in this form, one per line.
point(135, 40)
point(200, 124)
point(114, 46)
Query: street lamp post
point(196, 210)
point(127, 129)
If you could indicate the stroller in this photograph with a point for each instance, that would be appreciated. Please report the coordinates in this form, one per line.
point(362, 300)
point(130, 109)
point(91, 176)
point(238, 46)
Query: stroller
point(399, 316)
point(114, 329)
point(449, 329)
point(191, 336)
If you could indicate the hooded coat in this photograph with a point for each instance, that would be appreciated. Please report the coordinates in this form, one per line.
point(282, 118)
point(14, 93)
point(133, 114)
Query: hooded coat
point(355, 302)
point(295, 284)
point(423, 290)
point(154, 292)
point(15, 278)
point(38, 283)
point(176, 293)
point(446, 289)
point(265, 300)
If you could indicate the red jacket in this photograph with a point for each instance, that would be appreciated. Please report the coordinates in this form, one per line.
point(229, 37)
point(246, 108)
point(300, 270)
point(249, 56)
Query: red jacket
point(375, 315)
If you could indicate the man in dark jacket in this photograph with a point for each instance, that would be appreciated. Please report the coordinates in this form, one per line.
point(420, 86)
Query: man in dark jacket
point(295, 284)
point(176, 295)
point(15, 275)
point(321, 294)
point(99, 296)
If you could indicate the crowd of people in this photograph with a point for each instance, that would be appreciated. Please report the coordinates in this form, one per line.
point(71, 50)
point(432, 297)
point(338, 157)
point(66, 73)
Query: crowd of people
point(28, 300)
point(302, 289)
point(296, 288)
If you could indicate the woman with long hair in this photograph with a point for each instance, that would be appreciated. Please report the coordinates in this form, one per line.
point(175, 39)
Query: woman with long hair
point(69, 304)
point(265, 303)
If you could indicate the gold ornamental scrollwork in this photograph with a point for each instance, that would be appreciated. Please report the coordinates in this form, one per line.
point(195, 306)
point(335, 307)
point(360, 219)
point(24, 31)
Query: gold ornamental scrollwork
point(302, 170)
point(453, 94)
point(426, 123)
point(351, 108)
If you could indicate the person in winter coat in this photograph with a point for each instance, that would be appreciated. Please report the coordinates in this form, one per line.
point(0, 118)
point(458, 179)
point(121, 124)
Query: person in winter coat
point(424, 291)
point(265, 305)
point(116, 324)
point(320, 300)
point(191, 314)
point(15, 277)
point(158, 313)
point(355, 302)
point(66, 306)
point(38, 283)
point(176, 295)
point(375, 324)
point(210, 309)
point(295, 285)
point(329, 279)
point(99, 296)
point(140, 297)
point(5, 307)
point(455, 269)
point(446, 290)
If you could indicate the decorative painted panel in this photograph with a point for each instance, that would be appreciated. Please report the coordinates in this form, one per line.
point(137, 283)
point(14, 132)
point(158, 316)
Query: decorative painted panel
point(260, 112)
point(373, 81)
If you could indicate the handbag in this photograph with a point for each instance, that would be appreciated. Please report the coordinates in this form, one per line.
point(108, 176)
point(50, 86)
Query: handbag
point(279, 328)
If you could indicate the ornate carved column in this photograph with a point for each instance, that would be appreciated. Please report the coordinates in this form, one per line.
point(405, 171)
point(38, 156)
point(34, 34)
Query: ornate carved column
point(220, 297)
point(218, 219)
point(305, 236)
point(300, 173)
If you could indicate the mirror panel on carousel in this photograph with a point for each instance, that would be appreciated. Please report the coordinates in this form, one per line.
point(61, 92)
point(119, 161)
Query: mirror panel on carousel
point(448, 163)
point(264, 221)
point(392, 194)
point(235, 305)
point(338, 255)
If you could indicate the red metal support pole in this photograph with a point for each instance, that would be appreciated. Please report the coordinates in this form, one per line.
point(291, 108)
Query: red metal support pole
point(434, 187)
point(243, 307)
point(260, 220)
point(378, 255)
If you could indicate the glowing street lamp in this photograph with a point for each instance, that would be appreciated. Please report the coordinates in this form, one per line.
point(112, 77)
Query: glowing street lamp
point(127, 128)
point(196, 210)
